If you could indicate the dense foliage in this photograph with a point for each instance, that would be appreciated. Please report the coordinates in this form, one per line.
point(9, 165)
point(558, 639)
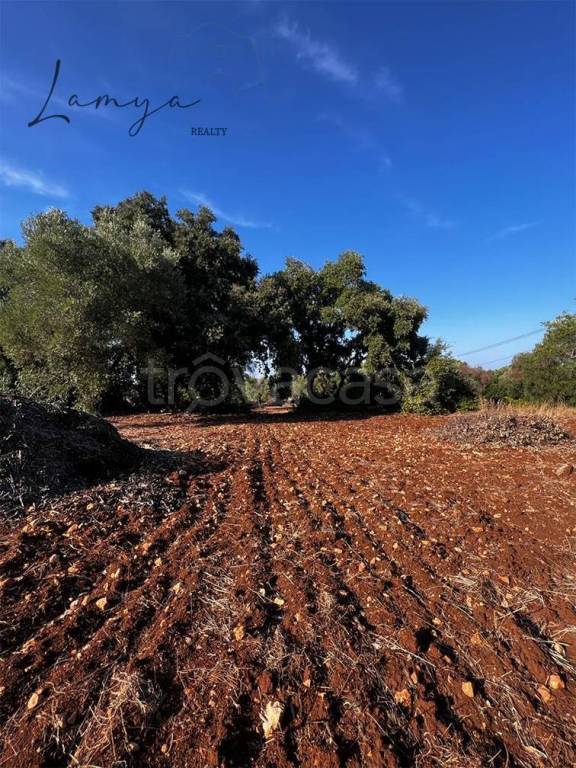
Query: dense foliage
point(443, 387)
point(84, 309)
point(129, 310)
point(351, 337)
point(545, 375)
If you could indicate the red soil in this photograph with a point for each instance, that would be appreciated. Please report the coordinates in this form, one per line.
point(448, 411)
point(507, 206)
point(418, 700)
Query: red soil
point(345, 592)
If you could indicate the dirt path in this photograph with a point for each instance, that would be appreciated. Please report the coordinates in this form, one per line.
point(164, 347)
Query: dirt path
point(312, 593)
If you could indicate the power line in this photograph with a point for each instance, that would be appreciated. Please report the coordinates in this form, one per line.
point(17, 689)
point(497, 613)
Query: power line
point(498, 360)
point(500, 343)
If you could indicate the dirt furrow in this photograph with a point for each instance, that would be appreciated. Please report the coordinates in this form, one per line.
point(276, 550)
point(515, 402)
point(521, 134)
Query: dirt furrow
point(306, 592)
point(454, 663)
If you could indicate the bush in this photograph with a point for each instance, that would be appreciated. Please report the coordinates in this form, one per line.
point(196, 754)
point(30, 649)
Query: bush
point(443, 388)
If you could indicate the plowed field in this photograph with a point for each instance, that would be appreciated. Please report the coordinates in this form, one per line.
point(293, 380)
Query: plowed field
point(329, 592)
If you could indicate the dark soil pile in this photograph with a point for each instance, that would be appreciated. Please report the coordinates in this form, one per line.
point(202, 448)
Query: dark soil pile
point(514, 430)
point(45, 450)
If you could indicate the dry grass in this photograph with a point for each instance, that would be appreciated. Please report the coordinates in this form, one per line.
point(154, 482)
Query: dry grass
point(122, 710)
point(557, 412)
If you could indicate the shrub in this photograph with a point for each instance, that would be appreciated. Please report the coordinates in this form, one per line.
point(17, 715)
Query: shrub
point(443, 388)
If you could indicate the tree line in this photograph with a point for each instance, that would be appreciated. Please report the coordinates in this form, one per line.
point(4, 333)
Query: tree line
point(547, 374)
point(87, 311)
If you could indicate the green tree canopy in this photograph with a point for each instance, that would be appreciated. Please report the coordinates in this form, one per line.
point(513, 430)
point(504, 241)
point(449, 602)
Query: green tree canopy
point(335, 318)
point(85, 308)
point(548, 373)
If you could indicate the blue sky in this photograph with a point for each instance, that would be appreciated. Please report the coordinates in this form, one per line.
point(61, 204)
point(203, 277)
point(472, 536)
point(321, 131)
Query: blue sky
point(438, 139)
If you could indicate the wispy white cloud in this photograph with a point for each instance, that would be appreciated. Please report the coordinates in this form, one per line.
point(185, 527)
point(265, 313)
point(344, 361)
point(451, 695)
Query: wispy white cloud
point(31, 181)
point(236, 219)
point(424, 215)
point(385, 82)
point(322, 56)
point(325, 59)
point(513, 229)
